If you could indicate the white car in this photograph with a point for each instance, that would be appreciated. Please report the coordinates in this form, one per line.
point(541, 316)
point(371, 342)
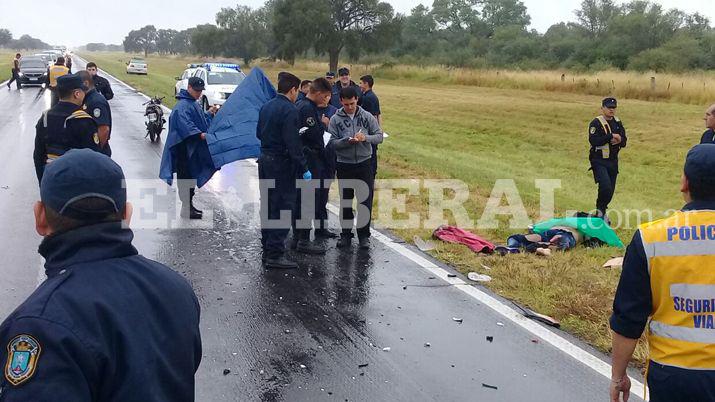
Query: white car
point(221, 81)
point(137, 66)
point(182, 82)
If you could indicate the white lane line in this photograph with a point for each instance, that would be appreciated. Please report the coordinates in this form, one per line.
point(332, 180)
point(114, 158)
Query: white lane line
point(507, 312)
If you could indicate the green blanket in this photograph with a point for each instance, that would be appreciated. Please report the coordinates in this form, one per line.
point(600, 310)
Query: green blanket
point(588, 226)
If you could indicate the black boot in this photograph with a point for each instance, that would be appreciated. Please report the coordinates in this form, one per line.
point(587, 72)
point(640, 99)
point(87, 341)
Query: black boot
point(277, 260)
point(325, 234)
point(307, 247)
point(194, 210)
point(344, 241)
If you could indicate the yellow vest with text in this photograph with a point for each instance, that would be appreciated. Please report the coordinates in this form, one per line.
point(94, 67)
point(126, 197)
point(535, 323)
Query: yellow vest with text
point(56, 72)
point(681, 261)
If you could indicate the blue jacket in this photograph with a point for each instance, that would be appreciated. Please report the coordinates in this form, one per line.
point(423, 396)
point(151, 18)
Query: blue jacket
point(335, 97)
point(186, 122)
point(277, 129)
point(107, 325)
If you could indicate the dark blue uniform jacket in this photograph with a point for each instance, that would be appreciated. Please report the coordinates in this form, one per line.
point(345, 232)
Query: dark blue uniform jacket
point(98, 107)
point(708, 137)
point(111, 324)
point(370, 103)
point(335, 97)
point(311, 118)
point(277, 129)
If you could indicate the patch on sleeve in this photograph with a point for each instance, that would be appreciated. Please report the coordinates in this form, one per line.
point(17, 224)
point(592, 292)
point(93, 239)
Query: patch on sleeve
point(96, 113)
point(593, 130)
point(23, 354)
point(95, 137)
point(311, 122)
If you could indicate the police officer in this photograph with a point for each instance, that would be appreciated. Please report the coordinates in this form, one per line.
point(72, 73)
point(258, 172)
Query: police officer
point(344, 81)
point(330, 76)
point(186, 147)
point(102, 84)
point(65, 126)
point(709, 134)
point(668, 283)
point(314, 125)
point(107, 324)
point(371, 103)
point(15, 72)
point(68, 63)
point(607, 136)
point(281, 161)
point(304, 89)
point(53, 73)
point(97, 106)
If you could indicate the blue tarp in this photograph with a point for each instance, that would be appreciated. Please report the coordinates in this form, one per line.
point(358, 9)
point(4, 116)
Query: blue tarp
point(232, 135)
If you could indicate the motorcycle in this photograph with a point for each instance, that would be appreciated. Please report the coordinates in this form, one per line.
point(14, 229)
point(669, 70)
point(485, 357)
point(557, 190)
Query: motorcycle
point(155, 118)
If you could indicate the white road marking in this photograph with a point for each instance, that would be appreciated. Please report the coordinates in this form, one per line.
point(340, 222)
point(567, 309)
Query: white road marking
point(507, 312)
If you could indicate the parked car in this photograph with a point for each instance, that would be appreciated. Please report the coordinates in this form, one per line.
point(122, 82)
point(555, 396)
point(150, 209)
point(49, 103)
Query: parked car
point(137, 66)
point(182, 82)
point(221, 80)
point(33, 71)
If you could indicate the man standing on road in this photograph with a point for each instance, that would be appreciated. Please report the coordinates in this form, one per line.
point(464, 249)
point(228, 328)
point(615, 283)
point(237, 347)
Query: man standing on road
point(281, 161)
point(65, 126)
point(354, 131)
point(343, 82)
point(53, 73)
point(68, 63)
point(107, 324)
point(186, 151)
point(98, 107)
point(607, 136)
point(709, 135)
point(668, 283)
point(101, 83)
point(315, 125)
point(15, 72)
point(371, 104)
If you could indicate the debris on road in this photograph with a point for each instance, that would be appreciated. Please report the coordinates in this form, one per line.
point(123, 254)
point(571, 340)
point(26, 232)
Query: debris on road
point(363, 365)
point(226, 371)
point(386, 349)
point(534, 340)
point(475, 277)
point(485, 267)
point(501, 324)
point(423, 245)
point(427, 344)
point(542, 318)
point(451, 275)
point(490, 338)
point(489, 386)
point(459, 320)
point(303, 366)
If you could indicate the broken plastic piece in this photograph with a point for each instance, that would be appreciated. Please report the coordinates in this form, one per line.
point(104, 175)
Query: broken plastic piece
point(614, 262)
point(451, 275)
point(427, 344)
point(473, 276)
point(490, 338)
point(423, 245)
point(501, 324)
point(387, 349)
point(226, 371)
point(489, 386)
point(459, 320)
point(362, 365)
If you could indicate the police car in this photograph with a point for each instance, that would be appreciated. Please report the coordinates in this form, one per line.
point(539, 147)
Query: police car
point(221, 80)
point(182, 81)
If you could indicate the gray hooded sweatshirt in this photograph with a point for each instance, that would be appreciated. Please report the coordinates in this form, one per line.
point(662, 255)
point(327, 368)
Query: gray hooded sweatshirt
point(342, 128)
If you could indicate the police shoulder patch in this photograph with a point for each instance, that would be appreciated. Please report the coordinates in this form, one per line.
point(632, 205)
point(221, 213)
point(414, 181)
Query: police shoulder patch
point(311, 121)
point(23, 354)
point(593, 130)
point(95, 137)
point(96, 113)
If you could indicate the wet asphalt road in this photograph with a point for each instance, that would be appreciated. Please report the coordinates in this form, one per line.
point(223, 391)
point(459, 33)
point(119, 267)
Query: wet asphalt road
point(315, 334)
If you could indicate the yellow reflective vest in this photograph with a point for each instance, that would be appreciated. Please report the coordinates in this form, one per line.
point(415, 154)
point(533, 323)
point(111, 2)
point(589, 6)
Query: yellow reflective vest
point(681, 261)
point(56, 72)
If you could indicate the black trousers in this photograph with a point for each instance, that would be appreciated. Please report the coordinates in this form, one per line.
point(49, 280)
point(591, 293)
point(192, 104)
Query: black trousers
point(281, 197)
point(352, 172)
point(15, 78)
point(54, 97)
point(320, 170)
point(605, 173)
point(186, 186)
point(673, 384)
point(373, 160)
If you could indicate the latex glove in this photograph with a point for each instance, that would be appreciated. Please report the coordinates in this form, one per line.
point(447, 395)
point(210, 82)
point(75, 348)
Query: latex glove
point(307, 176)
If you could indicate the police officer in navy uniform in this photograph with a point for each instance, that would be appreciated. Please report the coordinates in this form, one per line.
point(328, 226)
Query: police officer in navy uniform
point(97, 106)
point(668, 285)
point(709, 134)
point(281, 161)
point(344, 81)
point(314, 125)
point(107, 324)
point(65, 126)
point(607, 136)
point(101, 83)
point(371, 103)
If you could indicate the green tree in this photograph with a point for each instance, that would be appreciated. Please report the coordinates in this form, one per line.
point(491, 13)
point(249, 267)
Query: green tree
point(595, 15)
point(142, 40)
point(5, 37)
point(164, 39)
point(181, 42)
point(502, 13)
point(246, 31)
point(297, 25)
point(418, 33)
point(207, 40)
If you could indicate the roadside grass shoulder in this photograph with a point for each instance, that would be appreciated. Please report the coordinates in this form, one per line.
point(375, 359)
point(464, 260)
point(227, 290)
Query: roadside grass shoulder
point(478, 135)
point(6, 57)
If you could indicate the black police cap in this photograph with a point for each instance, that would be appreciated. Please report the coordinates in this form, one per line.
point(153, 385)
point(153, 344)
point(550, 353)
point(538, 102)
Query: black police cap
point(80, 174)
point(69, 82)
point(197, 83)
point(700, 164)
point(610, 103)
point(330, 74)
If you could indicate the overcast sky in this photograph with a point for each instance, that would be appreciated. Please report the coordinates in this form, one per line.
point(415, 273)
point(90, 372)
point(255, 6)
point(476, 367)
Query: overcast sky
point(109, 21)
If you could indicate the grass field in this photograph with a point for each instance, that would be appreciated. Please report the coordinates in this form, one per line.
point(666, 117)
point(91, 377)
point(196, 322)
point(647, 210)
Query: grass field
point(481, 134)
point(6, 57)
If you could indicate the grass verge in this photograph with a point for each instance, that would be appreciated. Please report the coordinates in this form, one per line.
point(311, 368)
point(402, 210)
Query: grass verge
point(479, 135)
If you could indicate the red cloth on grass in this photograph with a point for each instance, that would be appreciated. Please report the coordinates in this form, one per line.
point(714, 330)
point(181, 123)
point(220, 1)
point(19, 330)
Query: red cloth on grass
point(453, 234)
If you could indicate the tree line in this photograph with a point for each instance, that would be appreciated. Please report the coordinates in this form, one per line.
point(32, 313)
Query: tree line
point(24, 42)
point(638, 35)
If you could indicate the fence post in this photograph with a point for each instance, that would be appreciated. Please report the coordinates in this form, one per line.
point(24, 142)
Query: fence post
point(652, 83)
